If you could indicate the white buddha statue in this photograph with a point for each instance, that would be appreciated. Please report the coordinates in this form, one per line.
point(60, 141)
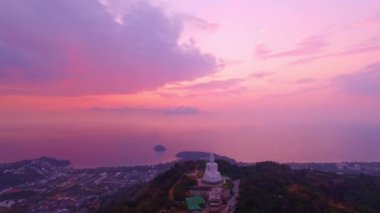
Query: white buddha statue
point(212, 175)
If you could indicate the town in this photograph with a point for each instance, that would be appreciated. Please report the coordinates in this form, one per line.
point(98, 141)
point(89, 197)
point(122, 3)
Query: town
point(50, 185)
point(59, 188)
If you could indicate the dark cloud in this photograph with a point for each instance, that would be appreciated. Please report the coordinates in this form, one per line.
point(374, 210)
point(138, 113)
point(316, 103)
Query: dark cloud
point(364, 82)
point(73, 47)
point(182, 110)
point(179, 110)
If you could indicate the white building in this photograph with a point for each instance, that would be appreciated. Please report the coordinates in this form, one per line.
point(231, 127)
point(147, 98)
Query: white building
point(212, 175)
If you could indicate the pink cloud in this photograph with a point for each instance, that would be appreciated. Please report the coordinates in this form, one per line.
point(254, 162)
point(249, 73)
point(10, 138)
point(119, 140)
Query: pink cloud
point(76, 47)
point(200, 23)
point(215, 84)
point(350, 51)
point(178, 110)
point(372, 21)
point(211, 88)
point(305, 81)
point(261, 74)
point(308, 46)
point(364, 82)
point(262, 51)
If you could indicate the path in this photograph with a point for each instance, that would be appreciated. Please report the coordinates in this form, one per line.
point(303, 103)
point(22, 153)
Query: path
point(231, 204)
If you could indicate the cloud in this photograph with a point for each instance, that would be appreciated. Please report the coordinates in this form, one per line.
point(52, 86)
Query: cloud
point(222, 85)
point(350, 51)
point(200, 23)
point(74, 47)
point(215, 84)
point(305, 81)
point(363, 82)
point(261, 74)
point(179, 110)
point(182, 110)
point(372, 21)
point(211, 88)
point(308, 46)
point(262, 51)
point(204, 93)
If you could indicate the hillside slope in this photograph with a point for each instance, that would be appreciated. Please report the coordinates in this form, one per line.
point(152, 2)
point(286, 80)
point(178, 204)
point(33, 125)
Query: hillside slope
point(265, 187)
point(270, 187)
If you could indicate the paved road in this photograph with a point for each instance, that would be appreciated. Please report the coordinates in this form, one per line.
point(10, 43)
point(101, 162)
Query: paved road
point(231, 204)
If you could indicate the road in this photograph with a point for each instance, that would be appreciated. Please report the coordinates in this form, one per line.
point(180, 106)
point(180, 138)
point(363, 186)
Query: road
point(231, 204)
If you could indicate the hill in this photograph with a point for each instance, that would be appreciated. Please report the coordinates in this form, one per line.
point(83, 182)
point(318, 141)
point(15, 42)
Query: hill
point(154, 195)
point(271, 187)
point(26, 171)
point(265, 187)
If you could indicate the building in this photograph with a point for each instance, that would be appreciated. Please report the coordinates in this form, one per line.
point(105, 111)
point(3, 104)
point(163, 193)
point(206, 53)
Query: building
point(215, 196)
point(195, 204)
point(201, 191)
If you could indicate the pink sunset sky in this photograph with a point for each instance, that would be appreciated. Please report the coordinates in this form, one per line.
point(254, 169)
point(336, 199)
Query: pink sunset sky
point(102, 82)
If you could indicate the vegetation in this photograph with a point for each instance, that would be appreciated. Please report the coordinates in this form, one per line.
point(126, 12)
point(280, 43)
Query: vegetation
point(156, 195)
point(272, 187)
point(182, 186)
point(265, 187)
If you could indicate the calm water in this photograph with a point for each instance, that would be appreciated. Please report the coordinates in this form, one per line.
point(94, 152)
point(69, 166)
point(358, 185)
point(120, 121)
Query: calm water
point(100, 147)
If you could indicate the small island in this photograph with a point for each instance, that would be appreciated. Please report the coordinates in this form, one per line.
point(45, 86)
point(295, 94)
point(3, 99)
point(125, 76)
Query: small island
point(159, 148)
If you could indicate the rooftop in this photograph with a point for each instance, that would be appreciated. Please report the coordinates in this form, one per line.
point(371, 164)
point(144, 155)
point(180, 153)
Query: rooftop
point(195, 203)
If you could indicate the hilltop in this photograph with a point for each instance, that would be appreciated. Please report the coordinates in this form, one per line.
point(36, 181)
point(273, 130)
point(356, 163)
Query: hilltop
point(31, 170)
point(265, 187)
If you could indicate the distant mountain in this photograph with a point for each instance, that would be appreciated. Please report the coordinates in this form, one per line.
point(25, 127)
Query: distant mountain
point(353, 168)
point(197, 155)
point(31, 170)
point(350, 168)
